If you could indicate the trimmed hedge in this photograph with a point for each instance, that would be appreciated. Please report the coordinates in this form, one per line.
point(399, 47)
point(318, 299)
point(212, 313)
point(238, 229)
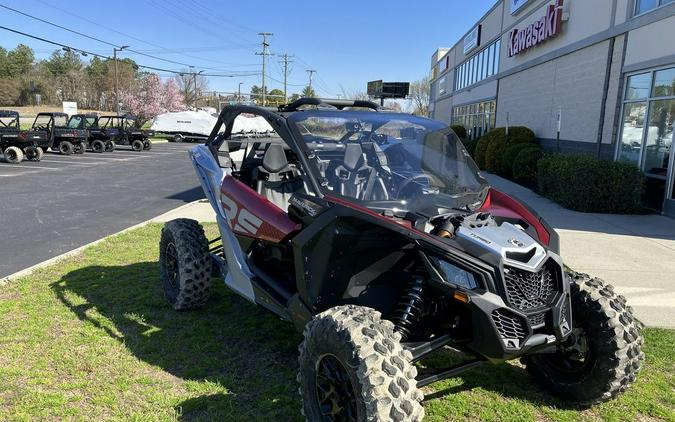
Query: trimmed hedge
point(587, 184)
point(496, 144)
point(510, 154)
point(525, 165)
point(480, 150)
point(459, 130)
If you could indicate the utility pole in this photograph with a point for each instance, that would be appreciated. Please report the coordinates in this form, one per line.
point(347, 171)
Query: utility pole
point(117, 98)
point(311, 72)
point(285, 61)
point(239, 93)
point(264, 55)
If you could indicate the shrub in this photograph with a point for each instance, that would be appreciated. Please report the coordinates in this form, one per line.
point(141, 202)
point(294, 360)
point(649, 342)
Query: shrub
point(10, 92)
point(584, 183)
point(499, 142)
point(470, 146)
point(459, 130)
point(510, 154)
point(525, 165)
point(480, 150)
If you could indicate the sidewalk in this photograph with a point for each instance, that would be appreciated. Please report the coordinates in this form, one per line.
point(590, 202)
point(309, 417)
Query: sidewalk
point(635, 253)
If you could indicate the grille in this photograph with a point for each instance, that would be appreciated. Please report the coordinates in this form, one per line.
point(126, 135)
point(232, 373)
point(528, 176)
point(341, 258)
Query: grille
point(509, 325)
point(526, 290)
point(537, 320)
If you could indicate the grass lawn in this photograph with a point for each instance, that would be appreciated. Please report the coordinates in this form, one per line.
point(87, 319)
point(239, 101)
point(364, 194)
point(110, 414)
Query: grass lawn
point(92, 338)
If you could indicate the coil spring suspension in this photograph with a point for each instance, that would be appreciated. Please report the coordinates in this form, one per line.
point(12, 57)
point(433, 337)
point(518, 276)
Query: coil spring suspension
point(409, 308)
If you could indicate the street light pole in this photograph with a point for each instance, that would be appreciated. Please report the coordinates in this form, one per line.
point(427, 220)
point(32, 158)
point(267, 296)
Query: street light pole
point(117, 99)
point(239, 93)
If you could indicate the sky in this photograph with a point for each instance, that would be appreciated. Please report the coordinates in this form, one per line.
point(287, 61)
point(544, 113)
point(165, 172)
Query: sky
point(348, 43)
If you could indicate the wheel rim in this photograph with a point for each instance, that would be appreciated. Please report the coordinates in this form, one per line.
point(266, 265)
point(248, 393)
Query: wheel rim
point(11, 155)
point(574, 355)
point(172, 264)
point(334, 391)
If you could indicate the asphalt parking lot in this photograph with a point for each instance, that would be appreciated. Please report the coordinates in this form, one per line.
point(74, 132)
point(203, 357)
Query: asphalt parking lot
point(64, 202)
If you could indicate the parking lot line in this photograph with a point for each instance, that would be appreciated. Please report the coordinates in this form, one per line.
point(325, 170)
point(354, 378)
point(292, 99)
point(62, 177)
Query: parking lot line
point(24, 167)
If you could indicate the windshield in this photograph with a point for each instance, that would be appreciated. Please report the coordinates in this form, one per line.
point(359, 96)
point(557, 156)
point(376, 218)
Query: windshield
point(408, 162)
point(9, 122)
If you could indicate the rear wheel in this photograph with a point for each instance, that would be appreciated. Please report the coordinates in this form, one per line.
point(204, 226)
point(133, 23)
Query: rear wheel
point(603, 354)
point(353, 368)
point(81, 147)
point(13, 155)
point(147, 145)
point(110, 146)
point(178, 138)
point(185, 264)
point(66, 147)
point(98, 146)
point(137, 145)
point(33, 153)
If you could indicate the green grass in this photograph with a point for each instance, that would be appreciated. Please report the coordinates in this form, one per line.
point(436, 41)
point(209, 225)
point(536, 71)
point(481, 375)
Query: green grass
point(92, 338)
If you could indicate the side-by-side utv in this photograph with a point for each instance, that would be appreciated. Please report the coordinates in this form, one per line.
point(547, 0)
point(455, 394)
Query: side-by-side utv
point(128, 132)
point(98, 139)
point(374, 234)
point(60, 137)
point(17, 144)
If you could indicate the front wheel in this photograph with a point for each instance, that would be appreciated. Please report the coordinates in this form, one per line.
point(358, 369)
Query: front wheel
point(353, 368)
point(13, 155)
point(602, 356)
point(98, 146)
point(185, 264)
point(147, 145)
point(137, 145)
point(66, 148)
point(110, 146)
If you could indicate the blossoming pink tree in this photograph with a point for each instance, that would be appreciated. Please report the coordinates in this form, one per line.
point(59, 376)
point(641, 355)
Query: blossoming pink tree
point(151, 97)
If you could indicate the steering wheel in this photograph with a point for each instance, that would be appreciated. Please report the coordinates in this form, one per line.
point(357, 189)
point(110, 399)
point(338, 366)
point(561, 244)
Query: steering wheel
point(412, 184)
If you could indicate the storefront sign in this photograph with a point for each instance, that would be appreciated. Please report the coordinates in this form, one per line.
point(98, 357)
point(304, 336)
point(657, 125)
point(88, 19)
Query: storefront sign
point(472, 39)
point(545, 28)
point(516, 5)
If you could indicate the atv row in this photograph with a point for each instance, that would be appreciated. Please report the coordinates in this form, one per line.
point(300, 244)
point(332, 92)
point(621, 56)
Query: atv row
point(375, 235)
point(17, 144)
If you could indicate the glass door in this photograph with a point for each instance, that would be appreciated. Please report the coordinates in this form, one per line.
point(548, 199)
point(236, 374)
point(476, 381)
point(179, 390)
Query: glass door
point(669, 202)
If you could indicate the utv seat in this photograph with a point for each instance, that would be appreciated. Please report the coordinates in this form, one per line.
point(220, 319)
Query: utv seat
point(356, 179)
point(277, 180)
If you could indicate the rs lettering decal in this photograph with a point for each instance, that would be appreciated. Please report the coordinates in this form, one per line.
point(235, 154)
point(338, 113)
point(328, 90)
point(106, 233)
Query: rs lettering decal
point(239, 220)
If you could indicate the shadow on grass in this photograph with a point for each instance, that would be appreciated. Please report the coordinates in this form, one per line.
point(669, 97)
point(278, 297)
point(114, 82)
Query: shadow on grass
point(230, 342)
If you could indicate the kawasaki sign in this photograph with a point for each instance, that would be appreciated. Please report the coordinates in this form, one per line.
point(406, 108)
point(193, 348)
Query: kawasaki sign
point(550, 25)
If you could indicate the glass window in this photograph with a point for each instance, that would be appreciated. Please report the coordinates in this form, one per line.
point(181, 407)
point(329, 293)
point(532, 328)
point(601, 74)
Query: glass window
point(664, 83)
point(644, 5)
point(74, 122)
point(659, 137)
point(638, 86)
point(633, 129)
point(490, 58)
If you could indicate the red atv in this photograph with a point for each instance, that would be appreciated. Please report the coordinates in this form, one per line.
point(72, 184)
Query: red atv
point(375, 235)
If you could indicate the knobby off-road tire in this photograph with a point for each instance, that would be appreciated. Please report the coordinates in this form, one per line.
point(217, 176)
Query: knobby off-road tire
point(110, 146)
point(147, 145)
point(81, 148)
point(32, 153)
point(98, 146)
point(137, 145)
point(13, 155)
point(39, 154)
point(613, 341)
point(185, 264)
point(380, 373)
point(66, 147)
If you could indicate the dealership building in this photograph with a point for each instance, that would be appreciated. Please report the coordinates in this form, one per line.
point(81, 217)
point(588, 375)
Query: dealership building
point(587, 76)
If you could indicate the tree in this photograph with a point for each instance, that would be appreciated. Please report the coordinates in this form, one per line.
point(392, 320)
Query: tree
point(17, 62)
point(275, 97)
point(419, 94)
point(186, 84)
point(308, 92)
point(294, 97)
point(151, 98)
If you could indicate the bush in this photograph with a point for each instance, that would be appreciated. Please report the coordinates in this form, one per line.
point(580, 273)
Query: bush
point(525, 165)
point(459, 130)
point(499, 142)
point(10, 92)
point(584, 183)
point(470, 146)
point(510, 154)
point(480, 150)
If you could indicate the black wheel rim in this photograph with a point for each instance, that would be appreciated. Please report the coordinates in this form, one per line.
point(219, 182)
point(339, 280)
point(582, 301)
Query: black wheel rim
point(575, 355)
point(172, 264)
point(11, 155)
point(334, 391)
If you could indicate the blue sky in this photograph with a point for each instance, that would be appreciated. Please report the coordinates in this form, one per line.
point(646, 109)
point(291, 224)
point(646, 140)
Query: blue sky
point(347, 42)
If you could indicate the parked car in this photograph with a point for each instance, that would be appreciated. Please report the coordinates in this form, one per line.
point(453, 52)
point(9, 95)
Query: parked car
point(60, 137)
point(99, 139)
point(128, 132)
point(376, 236)
point(17, 144)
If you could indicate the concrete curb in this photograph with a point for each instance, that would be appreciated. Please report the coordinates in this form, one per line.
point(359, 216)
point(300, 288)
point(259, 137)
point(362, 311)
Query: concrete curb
point(31, 269)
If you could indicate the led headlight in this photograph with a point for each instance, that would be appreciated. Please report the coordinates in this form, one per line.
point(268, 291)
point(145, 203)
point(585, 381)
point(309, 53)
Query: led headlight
point(455, 275)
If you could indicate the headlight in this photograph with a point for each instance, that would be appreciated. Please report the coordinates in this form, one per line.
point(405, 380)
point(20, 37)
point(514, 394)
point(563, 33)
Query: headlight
point(455, 275)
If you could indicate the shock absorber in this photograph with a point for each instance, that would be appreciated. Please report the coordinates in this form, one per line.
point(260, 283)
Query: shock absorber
point(409, 307)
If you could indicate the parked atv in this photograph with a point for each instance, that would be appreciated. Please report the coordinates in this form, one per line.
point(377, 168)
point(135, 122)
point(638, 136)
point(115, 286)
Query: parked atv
point(60, 137)
point(128, 132)
point(17, 144)
point(99, 139)
point(375, 235)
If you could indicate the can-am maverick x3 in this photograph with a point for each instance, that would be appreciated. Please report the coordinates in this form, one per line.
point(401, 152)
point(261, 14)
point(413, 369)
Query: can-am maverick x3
point(375, 235)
